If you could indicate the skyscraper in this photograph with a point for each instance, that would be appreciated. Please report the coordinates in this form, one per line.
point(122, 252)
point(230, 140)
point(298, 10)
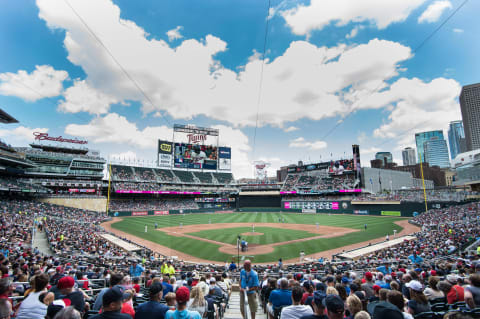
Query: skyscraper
point(470, 107)
point(456, 139)
point(436, 152)
point(408, 156)
point(384, 157)
point(422, 137)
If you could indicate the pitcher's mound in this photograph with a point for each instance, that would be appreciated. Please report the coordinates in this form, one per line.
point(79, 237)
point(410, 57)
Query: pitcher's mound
point(251, 234)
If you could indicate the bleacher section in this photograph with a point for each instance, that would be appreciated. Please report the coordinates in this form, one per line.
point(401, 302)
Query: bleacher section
point(122, 173)
point(317, 182)
point(223, 178)
point(144, 174)
point(164, 175)
point(185, 176)
point(205, 178)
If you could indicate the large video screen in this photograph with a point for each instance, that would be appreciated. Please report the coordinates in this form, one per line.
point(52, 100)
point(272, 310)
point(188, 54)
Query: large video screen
point(195, 156)
point(341, 166)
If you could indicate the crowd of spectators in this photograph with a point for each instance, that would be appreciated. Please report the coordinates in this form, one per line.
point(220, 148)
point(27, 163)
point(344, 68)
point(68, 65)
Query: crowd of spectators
point(429, 274)
point(148, 204)
point(309, 182)
point(417, 196)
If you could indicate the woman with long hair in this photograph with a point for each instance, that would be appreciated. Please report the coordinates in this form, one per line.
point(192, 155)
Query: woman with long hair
point(418, 301)
point(432, 292)
point(197, 301)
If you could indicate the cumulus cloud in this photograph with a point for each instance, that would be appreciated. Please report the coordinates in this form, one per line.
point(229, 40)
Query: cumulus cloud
point(187, 80)
point(124, 156)
point(81, 97)
point(319, 13)
point(174, 34)
point(21, 134)
point(114, 128)
point(417, 106)
point(302, 143)
point(434, 11)
point(291, 129)
point(354, 32)
point(43, 82)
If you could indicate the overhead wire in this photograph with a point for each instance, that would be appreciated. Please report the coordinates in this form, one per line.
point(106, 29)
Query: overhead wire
point(94, 35)
point(260, 85)
point(417, 48)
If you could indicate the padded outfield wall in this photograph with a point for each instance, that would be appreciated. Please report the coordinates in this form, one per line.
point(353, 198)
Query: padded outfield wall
point(329, 207)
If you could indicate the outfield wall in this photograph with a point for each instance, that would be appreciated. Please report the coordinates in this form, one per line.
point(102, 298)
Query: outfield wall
point(165, 212)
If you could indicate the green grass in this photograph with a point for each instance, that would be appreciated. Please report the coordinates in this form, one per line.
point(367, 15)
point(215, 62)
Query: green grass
point(270, 235)
point(377, 227)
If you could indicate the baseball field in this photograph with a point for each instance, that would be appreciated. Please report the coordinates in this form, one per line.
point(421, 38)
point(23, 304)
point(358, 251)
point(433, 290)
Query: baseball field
point(270, 236)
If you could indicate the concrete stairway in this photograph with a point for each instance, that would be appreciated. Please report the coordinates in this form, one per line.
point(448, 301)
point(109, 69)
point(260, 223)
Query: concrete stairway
point(233, 312)
point(40, 241)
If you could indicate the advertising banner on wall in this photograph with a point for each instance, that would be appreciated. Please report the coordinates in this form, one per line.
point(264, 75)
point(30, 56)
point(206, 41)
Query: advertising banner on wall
point(165, 150)
point(139, 213)
point(161, 212)
point(224, 158)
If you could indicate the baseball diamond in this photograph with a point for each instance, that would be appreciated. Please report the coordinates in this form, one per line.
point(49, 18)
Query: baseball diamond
point(213, 237)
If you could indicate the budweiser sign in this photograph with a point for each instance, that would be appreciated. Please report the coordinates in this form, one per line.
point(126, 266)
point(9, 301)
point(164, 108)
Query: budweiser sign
point(44, 137)
point(196, 138)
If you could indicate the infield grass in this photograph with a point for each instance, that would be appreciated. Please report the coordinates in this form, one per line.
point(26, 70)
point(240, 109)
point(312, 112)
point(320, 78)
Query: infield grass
point(270, 235)
point(377, 227)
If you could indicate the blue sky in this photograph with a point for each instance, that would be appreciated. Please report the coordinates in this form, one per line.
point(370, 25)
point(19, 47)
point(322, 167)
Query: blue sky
point(199, 62)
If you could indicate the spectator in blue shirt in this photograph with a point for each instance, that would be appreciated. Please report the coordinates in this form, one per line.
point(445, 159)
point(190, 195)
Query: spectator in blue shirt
point(279, 297)
point(136, 270)
point(385, 269)
point(152, 308)
point(232, 267)
point(249, 285)
point(166, 285)
point(415, 258)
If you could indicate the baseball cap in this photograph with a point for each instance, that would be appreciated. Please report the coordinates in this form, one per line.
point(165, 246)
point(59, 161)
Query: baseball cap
point(452, 279)
point(65, 282)
point(318, 297)
point(414, 285)
point(376, 287)
point(320, 286)
point(330, 279)
point(155, 288)
point(182, 294)
point(433, 272)
point(114, 294)
point(334, 304)
point(345, 280)
point(368, 275)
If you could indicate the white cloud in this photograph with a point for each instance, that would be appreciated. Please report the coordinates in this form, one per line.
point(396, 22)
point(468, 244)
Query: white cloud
point(20, 135)
point(238, 141)
point(114, 128)
point(302, 143)
point(319, 13)
point(174, 34)
point(457, 30)
point(417, 106)
point(44, 81)
point(434, 11)
point(291, 129)
point(306, 81)
point(81, 97)
point(370, 150)
point(354, 32)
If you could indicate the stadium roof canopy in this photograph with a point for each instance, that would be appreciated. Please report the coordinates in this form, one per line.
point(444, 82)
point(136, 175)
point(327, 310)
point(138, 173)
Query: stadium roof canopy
point(6, 118)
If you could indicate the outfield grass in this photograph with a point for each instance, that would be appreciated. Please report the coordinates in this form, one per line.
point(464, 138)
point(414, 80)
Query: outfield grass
point(270, 235)
point(377, 227)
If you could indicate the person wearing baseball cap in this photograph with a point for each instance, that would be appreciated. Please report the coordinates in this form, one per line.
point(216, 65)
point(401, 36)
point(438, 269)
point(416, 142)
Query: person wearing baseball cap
point(182, 296)
point(67, 291)
point(368, 285)
point(112, 304)
point(418, 301)
point(335, 307)
point(318, 306)
point(153, 308)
